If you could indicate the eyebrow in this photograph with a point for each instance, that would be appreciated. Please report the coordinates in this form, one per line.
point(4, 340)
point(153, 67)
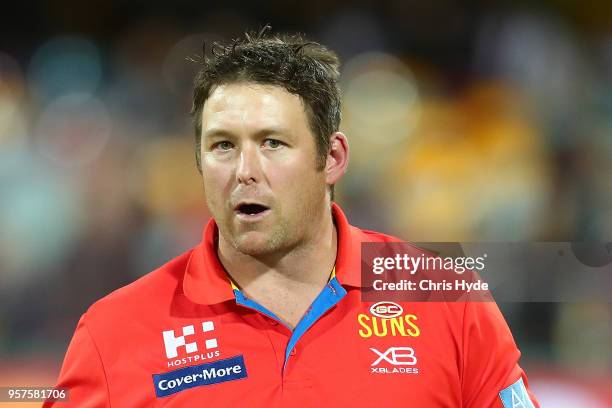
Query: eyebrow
point(217, 133)
point(224, 133)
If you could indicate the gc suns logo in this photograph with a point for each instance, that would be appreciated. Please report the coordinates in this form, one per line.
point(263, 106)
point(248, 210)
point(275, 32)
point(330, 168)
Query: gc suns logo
point(386, 310)
point(387, 319)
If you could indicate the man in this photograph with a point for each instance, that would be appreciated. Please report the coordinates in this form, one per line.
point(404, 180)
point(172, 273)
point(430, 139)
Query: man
point(266, 310)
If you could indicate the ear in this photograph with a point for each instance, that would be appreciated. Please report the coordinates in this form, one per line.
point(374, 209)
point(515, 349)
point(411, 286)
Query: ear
point(337, 158)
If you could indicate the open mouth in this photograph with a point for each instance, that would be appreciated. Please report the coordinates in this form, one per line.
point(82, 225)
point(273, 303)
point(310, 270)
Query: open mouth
point(251, 209)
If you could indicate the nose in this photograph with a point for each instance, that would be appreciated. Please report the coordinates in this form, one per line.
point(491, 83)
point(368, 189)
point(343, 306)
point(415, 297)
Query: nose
point(248, 169)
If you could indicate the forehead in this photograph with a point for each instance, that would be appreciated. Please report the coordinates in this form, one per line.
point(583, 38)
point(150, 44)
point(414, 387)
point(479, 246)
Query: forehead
point(248, 104)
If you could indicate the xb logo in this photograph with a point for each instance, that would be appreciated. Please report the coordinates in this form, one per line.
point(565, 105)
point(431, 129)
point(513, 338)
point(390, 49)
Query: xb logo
point(172, 342)
point(397, 356)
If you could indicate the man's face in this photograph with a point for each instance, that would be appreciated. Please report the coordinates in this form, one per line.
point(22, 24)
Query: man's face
point(259, 168)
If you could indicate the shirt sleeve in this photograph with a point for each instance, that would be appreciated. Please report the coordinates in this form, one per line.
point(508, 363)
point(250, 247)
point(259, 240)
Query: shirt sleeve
point(491, 376)
point(82, 373)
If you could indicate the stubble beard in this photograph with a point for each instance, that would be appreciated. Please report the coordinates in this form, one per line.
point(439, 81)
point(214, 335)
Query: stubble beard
point(278, 241)
point(283, 237)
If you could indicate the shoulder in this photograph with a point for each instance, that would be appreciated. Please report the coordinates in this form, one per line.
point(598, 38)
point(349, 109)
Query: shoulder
point(365, 235)
point(152, 291)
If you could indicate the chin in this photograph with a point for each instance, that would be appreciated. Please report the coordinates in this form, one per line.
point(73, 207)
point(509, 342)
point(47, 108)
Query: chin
point(255, 244)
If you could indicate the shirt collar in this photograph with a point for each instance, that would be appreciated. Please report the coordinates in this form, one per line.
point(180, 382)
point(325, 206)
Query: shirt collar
point(207, 282)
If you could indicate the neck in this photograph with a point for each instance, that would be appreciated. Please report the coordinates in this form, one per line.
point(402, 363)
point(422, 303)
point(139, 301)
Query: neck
point(309, 263)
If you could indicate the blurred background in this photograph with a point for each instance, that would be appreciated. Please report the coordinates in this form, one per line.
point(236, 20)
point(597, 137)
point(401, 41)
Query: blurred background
point(468, 121)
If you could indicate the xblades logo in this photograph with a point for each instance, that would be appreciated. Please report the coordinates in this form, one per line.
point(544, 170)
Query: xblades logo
point(396, 356)
point(402, 360)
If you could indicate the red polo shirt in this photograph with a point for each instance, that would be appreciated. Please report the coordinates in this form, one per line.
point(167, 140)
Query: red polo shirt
point(182, 336)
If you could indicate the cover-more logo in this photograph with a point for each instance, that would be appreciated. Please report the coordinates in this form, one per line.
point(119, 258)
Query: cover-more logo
point(173, 343)
point(403, 360)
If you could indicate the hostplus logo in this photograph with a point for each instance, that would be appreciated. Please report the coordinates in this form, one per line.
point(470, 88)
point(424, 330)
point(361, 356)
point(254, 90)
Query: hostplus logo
point(186, 346)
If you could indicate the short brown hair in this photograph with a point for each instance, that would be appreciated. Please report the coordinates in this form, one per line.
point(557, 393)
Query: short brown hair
point(302, 67)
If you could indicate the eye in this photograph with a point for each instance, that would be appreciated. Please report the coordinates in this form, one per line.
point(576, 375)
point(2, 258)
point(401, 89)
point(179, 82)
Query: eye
point(272, 143)
point(224, 145)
